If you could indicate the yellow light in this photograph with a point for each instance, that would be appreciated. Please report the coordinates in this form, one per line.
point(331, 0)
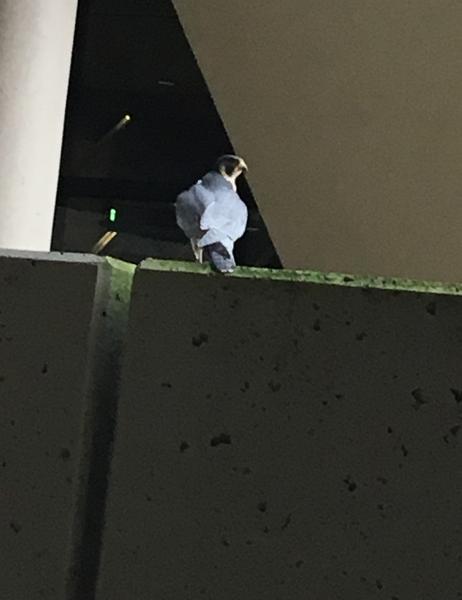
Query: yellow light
point(127, 118)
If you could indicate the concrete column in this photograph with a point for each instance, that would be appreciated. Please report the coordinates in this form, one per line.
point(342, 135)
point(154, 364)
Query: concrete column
point(36, 39)
point(256, 457)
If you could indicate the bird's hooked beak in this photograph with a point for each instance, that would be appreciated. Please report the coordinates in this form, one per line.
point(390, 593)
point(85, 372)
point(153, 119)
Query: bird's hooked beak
point(243, 167)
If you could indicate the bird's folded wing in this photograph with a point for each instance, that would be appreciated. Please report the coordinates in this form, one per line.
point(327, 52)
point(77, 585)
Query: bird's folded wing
point(223, 225)
point(189, 207)
point(228, 213)
point(215, 216)
point(202, 195)
point(240, 222)
point(187, 214)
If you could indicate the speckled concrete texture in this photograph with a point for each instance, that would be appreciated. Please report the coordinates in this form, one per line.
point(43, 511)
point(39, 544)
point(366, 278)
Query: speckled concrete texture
point(53, 310)
point(282, 440)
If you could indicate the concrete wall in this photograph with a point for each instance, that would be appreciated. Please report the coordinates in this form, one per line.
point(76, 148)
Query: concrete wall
point(62, 318)
point(279, 438)
point(279, 434)
point(349, 115)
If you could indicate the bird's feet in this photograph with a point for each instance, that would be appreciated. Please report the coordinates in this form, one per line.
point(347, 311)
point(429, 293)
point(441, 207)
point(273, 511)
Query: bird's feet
point(198, 252)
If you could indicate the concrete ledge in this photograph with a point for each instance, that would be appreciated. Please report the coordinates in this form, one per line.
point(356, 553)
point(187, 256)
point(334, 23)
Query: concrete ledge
point(57, 315)
point(304, 276)
point(282, 438)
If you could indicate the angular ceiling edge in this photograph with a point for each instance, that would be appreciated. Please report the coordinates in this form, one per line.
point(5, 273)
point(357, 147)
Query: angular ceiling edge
point(347, 114)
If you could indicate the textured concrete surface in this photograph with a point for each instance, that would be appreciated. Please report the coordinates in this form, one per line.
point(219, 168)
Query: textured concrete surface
point(286, 440)
point(348, 115)
point(60, 327)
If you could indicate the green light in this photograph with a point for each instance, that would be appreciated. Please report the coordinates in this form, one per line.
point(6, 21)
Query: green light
point(112, 215)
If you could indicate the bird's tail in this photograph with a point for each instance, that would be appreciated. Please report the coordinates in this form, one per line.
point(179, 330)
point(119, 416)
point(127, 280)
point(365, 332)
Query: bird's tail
point(220, 258)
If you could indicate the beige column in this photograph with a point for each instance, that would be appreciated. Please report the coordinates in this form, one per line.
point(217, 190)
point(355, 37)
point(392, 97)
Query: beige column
point(36, 39)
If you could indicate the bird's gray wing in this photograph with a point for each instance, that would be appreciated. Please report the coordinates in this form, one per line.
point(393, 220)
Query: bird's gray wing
point(227, 215)
point(239, 224)
point(190, 206)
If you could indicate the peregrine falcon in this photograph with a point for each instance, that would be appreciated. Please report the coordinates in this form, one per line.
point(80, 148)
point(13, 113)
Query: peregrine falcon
point(212, 215)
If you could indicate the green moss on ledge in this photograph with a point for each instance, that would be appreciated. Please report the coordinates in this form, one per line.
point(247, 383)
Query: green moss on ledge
point(121, 280)
point(382, 283)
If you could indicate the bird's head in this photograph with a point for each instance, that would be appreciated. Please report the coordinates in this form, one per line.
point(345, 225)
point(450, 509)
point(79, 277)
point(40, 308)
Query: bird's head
point(231, 166)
